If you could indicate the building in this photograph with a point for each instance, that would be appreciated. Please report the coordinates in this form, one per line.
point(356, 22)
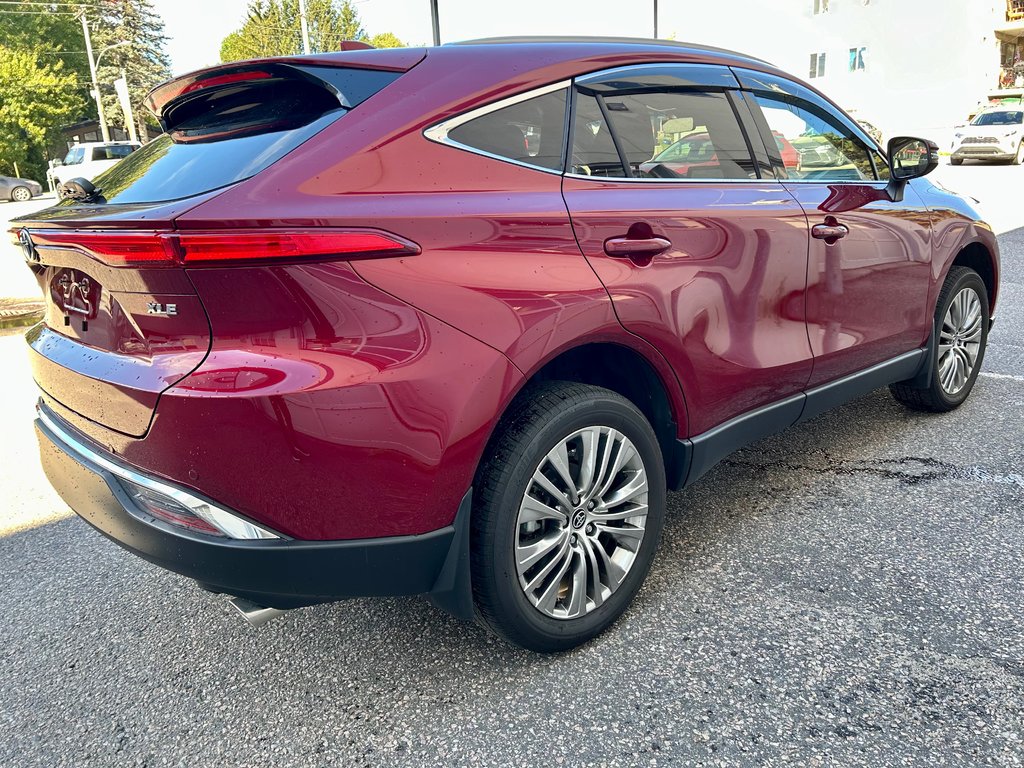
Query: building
point(907, 66)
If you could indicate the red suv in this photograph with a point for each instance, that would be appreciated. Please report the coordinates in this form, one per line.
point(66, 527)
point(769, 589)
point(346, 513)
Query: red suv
point(430, 322)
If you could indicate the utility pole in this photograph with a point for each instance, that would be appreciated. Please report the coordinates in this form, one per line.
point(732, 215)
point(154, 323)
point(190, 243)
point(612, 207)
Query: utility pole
point(95, 85)
point(655, 19)
point(434, 22)
point(305, 27)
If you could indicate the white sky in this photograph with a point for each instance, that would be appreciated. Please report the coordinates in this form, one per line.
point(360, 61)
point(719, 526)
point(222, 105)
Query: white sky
point(196, 27)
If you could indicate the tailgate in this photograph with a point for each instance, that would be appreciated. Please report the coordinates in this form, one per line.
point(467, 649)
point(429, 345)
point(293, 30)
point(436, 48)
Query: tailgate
point(112, 339)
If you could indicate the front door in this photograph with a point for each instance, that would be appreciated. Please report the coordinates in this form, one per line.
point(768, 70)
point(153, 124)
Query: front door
point(870, 258)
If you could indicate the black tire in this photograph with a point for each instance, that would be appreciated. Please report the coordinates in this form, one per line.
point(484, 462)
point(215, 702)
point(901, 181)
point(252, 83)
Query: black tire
point(534, 425)
point(956, 161)
point(1019, 157)
point(21, 194)
point(933, 397)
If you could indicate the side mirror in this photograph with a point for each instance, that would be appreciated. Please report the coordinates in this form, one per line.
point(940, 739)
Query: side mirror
point(909, 158)
point(55, 162)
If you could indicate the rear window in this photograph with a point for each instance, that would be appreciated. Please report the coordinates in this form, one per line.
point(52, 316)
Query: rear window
point(226, 134)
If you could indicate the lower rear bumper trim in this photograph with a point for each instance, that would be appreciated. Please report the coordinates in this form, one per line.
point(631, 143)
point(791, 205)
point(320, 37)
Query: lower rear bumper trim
point(276, 573)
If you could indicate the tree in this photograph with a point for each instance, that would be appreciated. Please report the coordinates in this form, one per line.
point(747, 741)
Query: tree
point(144, 59)
point(272, 28)
point(44, 84)
point(35, 100)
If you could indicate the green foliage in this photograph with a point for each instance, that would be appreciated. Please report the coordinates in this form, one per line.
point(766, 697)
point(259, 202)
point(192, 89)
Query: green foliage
point(386, 40)
point(272, 28)
point(44, 72)
point(43, 84)
point(34, 100)
point(144, 60)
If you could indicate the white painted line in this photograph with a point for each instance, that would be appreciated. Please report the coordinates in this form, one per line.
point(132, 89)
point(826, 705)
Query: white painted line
point(1009, 376)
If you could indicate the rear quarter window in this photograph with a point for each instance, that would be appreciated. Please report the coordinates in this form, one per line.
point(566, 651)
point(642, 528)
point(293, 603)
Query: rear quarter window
point(530, 132)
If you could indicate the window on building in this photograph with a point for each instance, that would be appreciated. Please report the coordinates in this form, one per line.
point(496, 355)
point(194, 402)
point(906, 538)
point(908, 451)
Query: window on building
point(820, 6)
point(827, 150)
point(817, 65)
point(857, 56)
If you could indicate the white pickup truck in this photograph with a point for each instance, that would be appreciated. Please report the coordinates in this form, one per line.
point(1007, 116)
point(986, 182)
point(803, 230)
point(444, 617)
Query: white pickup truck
point(88, 160)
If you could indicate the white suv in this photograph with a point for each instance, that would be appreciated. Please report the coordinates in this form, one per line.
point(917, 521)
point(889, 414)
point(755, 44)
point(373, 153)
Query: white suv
point(89, 159)
point(995, 134)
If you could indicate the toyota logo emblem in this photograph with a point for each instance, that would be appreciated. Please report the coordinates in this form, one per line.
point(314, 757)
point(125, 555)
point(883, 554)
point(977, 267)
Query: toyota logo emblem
point(28, 249)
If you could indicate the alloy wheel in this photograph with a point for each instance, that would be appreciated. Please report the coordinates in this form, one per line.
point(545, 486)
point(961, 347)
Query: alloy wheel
point(581, 522)
point(21, 194)
point(960, 340)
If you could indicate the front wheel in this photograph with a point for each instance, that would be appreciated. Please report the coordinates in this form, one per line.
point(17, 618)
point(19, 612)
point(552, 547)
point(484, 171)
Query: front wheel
point(961, 335)
point(567, 517)
point(956, 161)
point(21, 194)
point(1019, 157)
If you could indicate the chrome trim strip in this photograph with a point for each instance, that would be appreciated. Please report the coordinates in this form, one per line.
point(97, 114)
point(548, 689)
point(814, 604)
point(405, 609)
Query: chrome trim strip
point(602, 74)
point(438, 132)
point(721, 181)
point(77, 448)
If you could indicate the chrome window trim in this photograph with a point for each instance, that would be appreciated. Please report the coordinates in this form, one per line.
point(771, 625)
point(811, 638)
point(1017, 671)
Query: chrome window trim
point(438, 132)
point(844, 182)
point(80, 450)
point(602, 74)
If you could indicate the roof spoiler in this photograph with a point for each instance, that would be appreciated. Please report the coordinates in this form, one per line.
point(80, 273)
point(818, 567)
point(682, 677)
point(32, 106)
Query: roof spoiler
point(239, 71)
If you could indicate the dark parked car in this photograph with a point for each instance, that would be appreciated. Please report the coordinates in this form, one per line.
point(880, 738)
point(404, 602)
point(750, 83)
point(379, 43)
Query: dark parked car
point(19, 190)
point(342, 331)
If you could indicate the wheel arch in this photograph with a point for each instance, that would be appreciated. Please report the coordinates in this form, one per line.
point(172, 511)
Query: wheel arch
point(622, 368)
point(977, 256)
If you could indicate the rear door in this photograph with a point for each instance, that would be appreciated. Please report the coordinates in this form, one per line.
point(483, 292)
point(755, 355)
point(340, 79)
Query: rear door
point(707, 261)
point(867, 297)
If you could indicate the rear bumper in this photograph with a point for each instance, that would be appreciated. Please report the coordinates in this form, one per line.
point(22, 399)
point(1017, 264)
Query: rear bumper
point(285, 573)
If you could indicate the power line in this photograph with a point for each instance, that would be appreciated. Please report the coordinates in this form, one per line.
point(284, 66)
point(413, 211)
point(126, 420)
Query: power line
point(51, 5)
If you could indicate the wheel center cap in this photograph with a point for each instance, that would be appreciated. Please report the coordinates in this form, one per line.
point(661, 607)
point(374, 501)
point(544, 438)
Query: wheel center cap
point(579, 518)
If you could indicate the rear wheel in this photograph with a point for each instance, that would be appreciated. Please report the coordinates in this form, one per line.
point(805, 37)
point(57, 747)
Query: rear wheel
point(567, 517)
point(1019, 157)
point(21, 194)
point(961, 333)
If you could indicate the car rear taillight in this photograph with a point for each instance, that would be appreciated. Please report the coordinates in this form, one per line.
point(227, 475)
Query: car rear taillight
point(118, 249)
point(198, 248)
point(222, 248)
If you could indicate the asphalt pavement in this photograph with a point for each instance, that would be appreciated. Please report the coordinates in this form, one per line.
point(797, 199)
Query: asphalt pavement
point(848, 593)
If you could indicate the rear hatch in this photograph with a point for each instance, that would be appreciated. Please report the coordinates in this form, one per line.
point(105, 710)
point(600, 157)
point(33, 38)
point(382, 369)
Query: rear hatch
point(123, 321)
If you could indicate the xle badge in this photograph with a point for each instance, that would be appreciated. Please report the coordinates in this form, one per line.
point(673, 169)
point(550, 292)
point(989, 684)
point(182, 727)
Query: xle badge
point(153, 308)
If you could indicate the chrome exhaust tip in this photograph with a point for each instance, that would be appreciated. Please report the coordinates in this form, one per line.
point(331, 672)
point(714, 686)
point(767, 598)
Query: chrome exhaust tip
point(255, 615)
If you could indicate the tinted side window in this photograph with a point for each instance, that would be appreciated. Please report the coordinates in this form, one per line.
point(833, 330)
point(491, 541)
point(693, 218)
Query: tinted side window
point(825, 150)
point(678, 135)
point(593, 151)
point(529, 132)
